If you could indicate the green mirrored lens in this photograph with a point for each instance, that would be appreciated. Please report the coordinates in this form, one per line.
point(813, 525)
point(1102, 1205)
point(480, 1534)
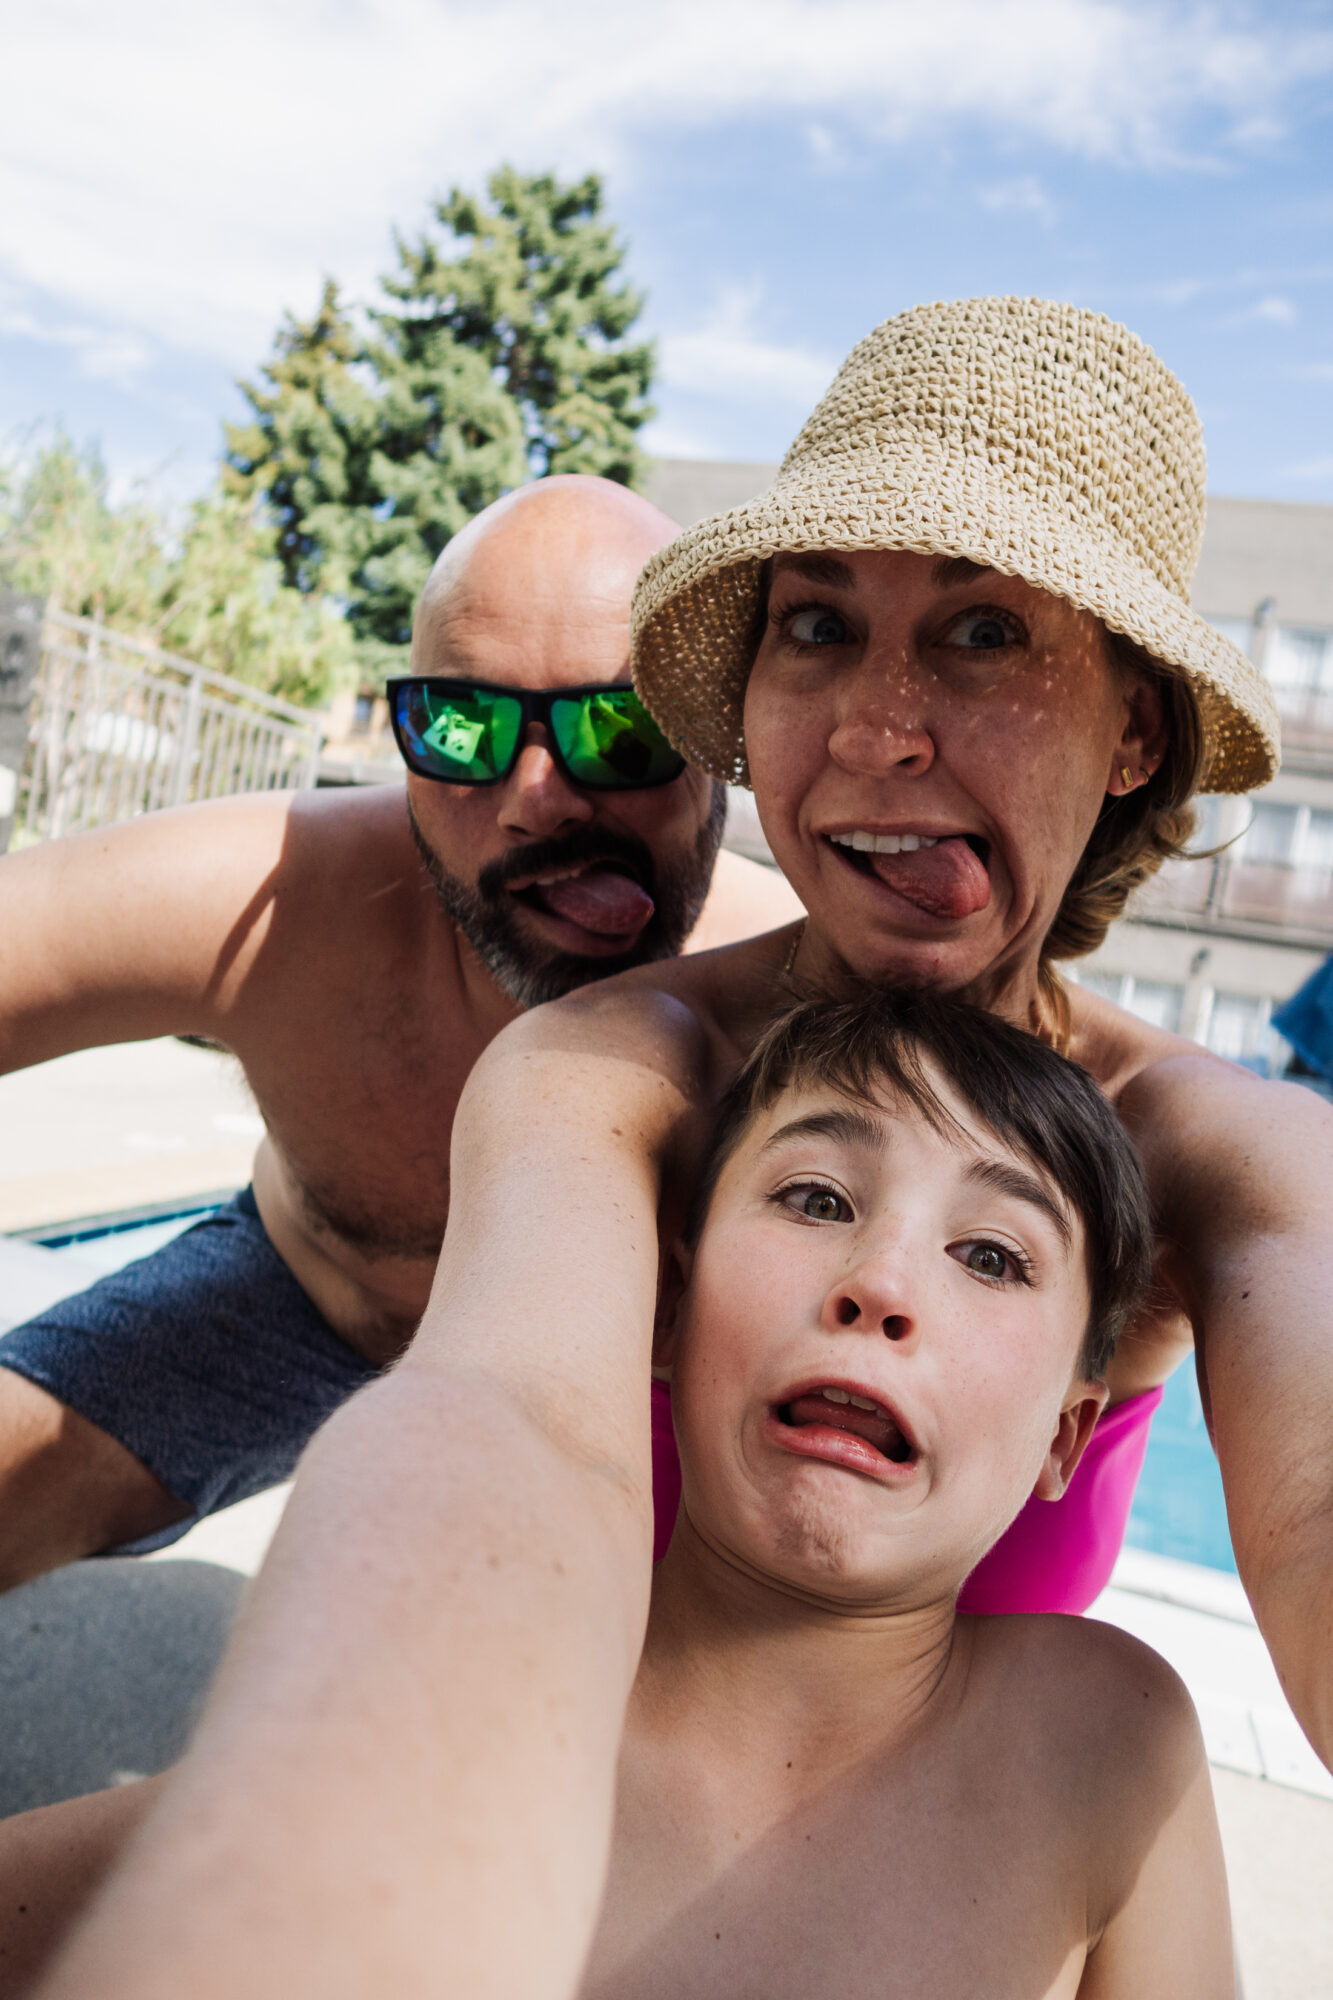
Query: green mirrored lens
point(608, 738)
point(469, 735)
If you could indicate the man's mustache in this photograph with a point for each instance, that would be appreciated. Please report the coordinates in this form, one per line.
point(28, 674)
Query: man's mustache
point(579, 848)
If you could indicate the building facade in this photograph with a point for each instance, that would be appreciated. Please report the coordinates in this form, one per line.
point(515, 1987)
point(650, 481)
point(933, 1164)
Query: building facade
point(1214, 944)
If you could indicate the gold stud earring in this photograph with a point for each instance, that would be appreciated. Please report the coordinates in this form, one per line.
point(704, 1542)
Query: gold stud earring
point(1125, 778)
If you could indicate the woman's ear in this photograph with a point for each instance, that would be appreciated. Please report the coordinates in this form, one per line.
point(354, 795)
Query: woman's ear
point(1083, 1405)
point(672, 1278)
point(1142, 742)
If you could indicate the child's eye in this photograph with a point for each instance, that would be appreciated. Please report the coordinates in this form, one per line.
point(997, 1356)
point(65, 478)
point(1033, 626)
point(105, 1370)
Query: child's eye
point(812, 1201)
point(994, 1261)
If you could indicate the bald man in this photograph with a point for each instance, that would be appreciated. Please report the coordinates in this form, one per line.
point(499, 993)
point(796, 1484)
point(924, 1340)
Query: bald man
point(356, 951)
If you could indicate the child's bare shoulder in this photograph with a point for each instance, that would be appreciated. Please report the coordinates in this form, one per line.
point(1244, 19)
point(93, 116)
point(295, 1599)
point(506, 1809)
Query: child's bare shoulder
point(1096, 1698)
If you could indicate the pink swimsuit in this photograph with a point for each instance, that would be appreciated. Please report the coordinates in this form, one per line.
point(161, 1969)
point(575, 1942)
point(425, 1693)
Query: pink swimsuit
point(1057, 1556)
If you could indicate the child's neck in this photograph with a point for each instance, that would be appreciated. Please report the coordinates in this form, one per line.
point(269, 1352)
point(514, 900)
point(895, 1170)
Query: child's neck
point(738, 1665)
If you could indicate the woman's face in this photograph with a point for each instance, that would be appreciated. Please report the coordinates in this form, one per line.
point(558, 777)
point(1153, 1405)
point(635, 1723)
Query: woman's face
point(930, 745)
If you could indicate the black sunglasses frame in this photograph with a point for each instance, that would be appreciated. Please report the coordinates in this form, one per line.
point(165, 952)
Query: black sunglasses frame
point(536, 707)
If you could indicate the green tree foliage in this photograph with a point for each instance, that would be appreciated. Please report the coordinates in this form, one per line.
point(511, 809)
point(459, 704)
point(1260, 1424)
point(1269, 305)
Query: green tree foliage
point(526, 279)
point(499, 354)
point(210, 587)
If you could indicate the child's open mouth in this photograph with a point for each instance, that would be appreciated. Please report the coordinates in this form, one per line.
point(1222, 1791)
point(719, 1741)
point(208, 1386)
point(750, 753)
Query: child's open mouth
point(852, 1415)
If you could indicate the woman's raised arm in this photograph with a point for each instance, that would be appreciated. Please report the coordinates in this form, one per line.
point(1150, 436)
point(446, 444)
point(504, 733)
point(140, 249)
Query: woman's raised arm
point(1242, 1172)
point(403, 1782)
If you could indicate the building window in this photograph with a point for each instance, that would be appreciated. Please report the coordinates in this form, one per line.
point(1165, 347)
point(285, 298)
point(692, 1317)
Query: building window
point(1151, 1000)
point(1237, 1027)
point(1300, 661)
point(1288, 837)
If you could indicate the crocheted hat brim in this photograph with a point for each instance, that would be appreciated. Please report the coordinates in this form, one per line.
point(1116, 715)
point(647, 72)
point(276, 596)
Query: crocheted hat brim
point(696, 601)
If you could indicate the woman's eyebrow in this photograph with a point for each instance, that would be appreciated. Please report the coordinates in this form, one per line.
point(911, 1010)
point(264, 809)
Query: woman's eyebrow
point(845, 1128)
point(816, 568)
point(950, 570)
point(1006, 1178)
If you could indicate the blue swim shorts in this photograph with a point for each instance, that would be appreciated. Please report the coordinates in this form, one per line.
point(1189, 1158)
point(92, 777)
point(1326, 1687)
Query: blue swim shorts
point(205, 1359)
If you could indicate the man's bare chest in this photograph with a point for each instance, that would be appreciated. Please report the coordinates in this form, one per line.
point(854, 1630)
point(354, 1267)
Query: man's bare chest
point(360, 1110)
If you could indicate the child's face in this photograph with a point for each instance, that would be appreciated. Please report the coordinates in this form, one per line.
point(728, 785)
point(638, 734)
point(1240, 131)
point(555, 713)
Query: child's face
point(876, 1358)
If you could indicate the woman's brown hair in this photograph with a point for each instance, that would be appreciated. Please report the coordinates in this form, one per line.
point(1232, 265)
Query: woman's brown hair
point(1133, 836)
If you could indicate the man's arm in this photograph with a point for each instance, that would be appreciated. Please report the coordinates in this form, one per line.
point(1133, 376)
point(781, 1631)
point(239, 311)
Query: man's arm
point(404, 1780)
point(1242, 1172)
point(137, 930)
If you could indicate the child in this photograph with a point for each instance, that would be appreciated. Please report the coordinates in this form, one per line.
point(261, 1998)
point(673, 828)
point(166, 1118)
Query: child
point(917, 1237)
point(915, 1240)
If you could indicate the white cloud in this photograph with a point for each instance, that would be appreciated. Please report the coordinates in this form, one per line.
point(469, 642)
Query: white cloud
point(1311, 469)
point(101, 354)
point(182, 173)
point(1024, 196)
point(726, 356)
point(1277, 311)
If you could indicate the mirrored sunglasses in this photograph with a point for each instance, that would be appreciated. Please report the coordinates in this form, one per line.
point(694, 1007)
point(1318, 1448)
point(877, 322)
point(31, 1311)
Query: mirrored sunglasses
point(470, 733)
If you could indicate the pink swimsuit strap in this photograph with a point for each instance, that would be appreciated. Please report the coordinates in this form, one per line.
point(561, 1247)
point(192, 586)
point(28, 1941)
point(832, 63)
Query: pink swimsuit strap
point(1057, 1556)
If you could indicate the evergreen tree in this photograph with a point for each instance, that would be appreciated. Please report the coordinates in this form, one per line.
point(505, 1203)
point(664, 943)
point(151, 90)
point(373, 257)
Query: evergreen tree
point(526, 280)
point(307, 449)
point(499, 353)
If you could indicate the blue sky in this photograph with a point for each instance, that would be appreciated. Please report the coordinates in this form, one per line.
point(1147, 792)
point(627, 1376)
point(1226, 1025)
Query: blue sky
point(788, 172)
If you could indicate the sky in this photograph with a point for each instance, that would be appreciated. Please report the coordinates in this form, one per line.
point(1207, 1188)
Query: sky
point(786, 173)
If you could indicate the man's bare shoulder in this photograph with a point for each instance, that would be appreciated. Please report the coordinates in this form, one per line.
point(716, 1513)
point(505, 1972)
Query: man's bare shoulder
point(745, 899)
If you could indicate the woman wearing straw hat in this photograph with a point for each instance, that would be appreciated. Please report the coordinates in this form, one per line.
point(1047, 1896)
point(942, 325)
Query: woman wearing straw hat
point(953, 652)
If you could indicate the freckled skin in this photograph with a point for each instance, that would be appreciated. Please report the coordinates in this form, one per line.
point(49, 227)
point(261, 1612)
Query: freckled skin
point(904, 720)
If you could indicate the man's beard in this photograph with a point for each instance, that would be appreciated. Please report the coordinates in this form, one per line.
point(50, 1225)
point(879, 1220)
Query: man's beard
point(531, 972)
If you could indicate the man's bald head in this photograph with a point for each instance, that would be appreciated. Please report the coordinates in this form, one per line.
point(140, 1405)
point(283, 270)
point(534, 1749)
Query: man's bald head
point(540, 580)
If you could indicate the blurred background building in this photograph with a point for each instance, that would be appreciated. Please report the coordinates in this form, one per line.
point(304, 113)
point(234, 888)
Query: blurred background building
point(1213, 946)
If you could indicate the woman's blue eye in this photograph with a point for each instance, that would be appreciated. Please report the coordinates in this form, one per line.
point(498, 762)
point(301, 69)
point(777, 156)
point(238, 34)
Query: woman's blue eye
point(818, 628)
point(980, 632)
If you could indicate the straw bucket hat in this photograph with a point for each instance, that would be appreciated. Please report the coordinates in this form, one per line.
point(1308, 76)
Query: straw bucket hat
point(1037, 439)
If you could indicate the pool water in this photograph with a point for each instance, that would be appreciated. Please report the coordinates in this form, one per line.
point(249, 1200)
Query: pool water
point(1178, 1509)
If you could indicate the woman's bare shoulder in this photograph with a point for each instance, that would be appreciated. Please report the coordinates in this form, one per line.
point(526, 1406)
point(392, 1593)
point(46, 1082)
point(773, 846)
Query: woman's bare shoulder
point(688, 1017)
point(1116, 1047)
point(1206, 1128)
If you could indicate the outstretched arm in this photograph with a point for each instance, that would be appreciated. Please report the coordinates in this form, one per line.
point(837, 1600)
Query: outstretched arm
point(1242, 1171)
point(403, 1783)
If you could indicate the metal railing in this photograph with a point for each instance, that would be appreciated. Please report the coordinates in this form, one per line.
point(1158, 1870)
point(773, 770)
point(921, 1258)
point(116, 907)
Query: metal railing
point(1253, 898)
point(119, 727)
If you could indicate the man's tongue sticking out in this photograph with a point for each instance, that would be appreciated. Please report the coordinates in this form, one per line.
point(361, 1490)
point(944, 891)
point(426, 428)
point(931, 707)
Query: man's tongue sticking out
point(946, 880)
point(601, 900)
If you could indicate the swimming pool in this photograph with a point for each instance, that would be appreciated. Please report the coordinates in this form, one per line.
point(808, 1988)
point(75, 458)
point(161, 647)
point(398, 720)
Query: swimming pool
point(1178, 1510)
